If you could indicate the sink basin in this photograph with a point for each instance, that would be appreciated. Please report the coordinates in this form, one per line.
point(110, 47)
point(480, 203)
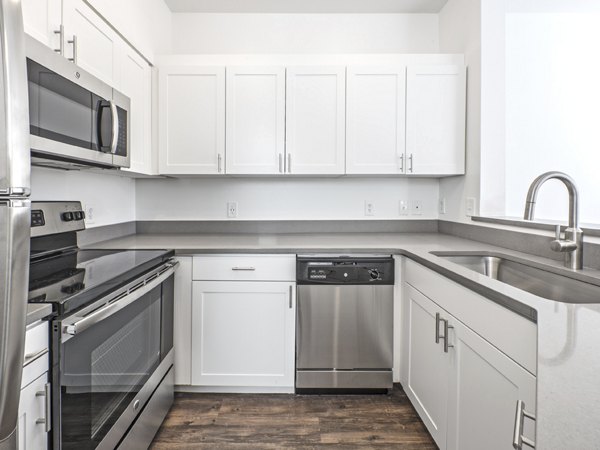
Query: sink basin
point(547, 283)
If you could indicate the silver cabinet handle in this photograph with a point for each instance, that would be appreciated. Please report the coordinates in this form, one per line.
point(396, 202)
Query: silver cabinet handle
point(30, 357)
point(61, 45)
point(291, 287)
point(289, 163)
point(219, 159)
point(250, 269)
point(74, 42)
point(410, 165)
point(47, 420)
point(437, 328)
point(401, 163)
point(518, 438)
point(446, 337)
point(280, 163)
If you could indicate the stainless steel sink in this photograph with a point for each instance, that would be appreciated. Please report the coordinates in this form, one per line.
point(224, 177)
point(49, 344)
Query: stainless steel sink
point(550, 283)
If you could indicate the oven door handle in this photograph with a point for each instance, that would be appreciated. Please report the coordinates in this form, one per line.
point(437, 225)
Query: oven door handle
point(81, 324)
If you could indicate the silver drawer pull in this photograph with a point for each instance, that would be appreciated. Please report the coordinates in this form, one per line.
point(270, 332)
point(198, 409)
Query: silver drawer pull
point(437, 328)
point(30, 357)
point(250, 269)
point(47, 420)
point(518, 438)
point(446, 336)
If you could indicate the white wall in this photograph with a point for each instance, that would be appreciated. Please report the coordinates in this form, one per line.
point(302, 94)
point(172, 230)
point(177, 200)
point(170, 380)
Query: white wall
point(146, 24)
point(282, 199)
point(304, 33)
point(460, 32)
point(111, 197)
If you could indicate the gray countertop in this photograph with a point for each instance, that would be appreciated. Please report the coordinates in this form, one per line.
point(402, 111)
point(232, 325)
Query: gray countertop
point(568, 390)
point(37, 311)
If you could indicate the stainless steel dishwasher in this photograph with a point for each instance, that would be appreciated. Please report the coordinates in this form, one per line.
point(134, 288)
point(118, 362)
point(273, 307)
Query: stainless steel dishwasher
point(344, 332)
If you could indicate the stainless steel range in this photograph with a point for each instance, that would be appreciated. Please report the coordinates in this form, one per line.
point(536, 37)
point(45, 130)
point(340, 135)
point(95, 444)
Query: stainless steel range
point(112, 335)
point(344, 322)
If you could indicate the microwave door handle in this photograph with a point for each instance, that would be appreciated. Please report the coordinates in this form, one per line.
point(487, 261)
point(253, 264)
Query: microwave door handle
point(115, 127)
point(83, 323)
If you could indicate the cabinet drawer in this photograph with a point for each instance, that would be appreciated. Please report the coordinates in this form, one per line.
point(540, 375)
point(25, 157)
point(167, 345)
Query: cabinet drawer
point(36, 341)
point(244, 268)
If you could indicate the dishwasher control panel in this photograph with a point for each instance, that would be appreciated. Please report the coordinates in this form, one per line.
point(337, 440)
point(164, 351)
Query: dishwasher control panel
point(345, 270)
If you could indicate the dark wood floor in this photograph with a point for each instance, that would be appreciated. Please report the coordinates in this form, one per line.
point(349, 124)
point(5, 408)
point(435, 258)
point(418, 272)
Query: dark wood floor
point(252, 421)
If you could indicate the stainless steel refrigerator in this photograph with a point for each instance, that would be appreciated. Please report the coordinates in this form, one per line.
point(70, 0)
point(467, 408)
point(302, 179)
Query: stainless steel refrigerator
point(14, 214)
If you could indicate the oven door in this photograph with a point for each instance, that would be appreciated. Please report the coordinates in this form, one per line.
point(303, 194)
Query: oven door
point(108, 356)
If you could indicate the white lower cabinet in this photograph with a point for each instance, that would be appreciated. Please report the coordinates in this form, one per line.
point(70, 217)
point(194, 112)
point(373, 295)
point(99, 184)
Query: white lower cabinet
point(485, 387)
point(243, 334)
point(32, 434)
point(428, 367)
point(464, 389)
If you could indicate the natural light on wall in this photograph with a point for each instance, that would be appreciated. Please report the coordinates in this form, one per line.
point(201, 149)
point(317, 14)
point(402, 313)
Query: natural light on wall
point(553, 110)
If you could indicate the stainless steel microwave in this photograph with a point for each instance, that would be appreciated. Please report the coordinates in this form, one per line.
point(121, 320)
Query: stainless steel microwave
point(75, 119)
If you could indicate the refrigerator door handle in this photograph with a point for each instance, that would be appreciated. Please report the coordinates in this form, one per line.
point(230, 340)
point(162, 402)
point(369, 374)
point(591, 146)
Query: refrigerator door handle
point(14, 122)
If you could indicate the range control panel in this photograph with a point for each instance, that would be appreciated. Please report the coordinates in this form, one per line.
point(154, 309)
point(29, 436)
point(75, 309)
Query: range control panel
point(345, 270)
point(56, 217)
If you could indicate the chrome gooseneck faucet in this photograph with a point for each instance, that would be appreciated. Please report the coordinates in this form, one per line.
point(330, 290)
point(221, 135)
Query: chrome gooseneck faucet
point(572, 244)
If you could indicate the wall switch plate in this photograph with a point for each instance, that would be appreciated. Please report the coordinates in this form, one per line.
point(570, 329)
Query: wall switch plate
point(403, 208)
point(470, 205)
point(416, 207)
point(369, 208)
point(232, 210)
point(442, 205)
point(89, 211)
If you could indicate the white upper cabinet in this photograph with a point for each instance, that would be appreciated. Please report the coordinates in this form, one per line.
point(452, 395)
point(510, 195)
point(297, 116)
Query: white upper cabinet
point(315, 120)
point(435, 120)
point(135, 81)
point(42, 20)
point(90, 41)
point(375, 132)
point(255, 120)
point(191, 120)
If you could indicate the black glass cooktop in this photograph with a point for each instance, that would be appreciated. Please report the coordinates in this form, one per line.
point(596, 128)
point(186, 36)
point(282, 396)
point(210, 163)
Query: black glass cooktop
point(77, 277)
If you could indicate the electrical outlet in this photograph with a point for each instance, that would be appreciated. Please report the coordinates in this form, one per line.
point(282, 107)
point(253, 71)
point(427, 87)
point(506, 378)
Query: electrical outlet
point(470, 205)
point(403, 208)
point(416, 207)
point(90, 214)
point(232, 210)
point(369, 208)
point(442, 205)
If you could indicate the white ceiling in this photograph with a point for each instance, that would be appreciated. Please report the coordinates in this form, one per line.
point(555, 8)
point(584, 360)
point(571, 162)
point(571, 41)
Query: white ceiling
point(306, 6)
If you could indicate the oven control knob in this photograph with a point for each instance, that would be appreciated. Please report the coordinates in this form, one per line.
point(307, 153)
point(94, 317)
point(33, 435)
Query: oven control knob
point(67, 217)
point(374, 274)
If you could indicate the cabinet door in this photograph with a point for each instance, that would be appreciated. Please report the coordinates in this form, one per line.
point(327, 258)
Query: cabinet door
point(96, 46)
point(255, 117)
point(41, 18)
point(427, 365)
point(315, 120)
point(485, 387)
point(191, 120)
point(435, 120)
point(243, 333)
point(375, 120)
point(135, 81)
point(32, 407)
